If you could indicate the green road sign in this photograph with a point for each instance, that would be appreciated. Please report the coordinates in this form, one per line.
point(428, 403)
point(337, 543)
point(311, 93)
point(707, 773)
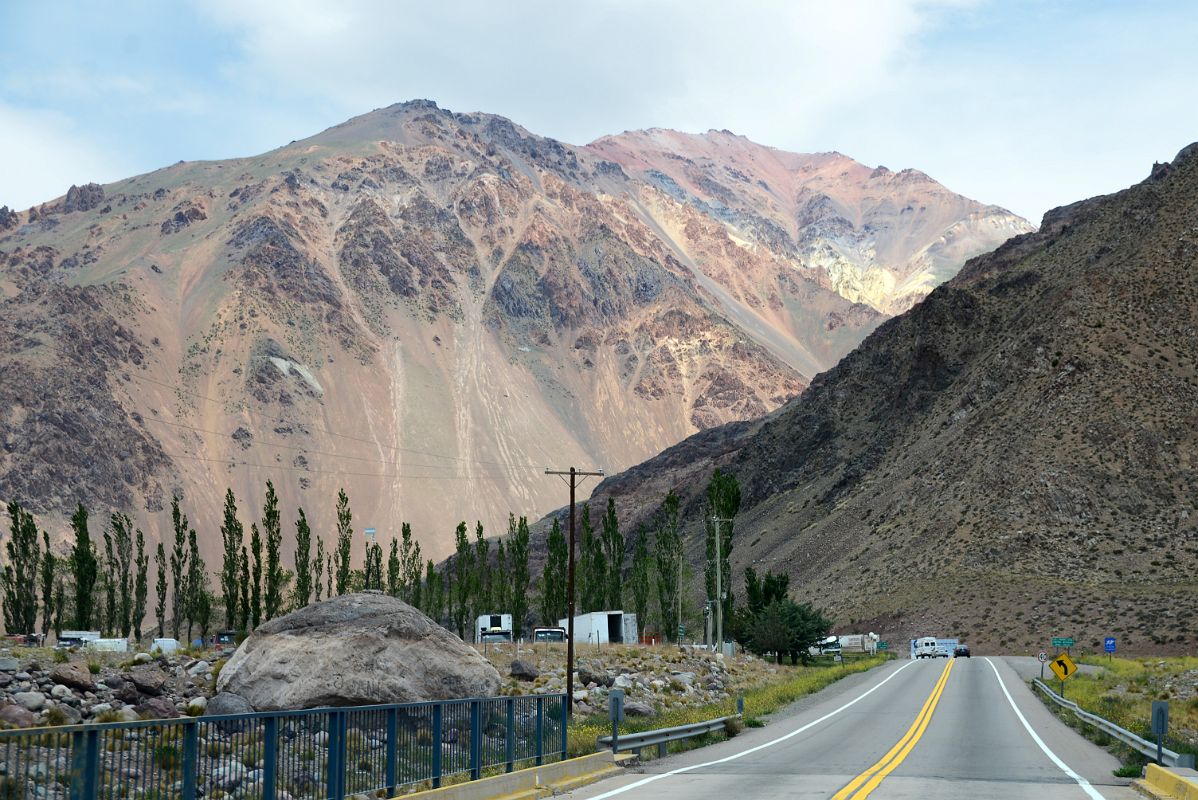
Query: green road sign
point(1062, 641)
point(681, 630)
point(883, 646)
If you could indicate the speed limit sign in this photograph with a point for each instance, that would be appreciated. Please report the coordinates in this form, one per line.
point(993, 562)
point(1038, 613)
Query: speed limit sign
point(1043, 656)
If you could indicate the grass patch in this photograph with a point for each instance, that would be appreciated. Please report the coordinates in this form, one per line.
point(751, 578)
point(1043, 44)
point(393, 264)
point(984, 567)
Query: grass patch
point(792, 683)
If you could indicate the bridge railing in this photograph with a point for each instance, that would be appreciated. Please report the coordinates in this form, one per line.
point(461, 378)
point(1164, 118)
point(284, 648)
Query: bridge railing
point(313, 754)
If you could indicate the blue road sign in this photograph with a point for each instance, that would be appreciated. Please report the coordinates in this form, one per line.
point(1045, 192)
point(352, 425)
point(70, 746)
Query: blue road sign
point(1108, 644)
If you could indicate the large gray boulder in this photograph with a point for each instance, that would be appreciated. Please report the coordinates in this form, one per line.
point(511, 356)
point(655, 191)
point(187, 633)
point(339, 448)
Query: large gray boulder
point(353, 650)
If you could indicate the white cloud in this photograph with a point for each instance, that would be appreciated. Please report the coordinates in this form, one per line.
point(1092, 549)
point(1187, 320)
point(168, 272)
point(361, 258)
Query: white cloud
point(45, 148)
point(575, 70)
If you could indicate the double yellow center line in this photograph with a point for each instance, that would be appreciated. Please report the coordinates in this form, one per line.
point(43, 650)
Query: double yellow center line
point(861, 786)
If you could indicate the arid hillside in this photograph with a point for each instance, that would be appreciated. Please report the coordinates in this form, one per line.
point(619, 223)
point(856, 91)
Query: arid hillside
point(424, 307)
point(1011, 460)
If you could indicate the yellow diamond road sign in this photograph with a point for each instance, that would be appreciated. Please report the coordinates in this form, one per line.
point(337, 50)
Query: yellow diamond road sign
point(1062, 666)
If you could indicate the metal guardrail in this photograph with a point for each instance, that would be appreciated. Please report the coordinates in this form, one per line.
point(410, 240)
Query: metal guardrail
point(663, 736)
point(313, 754)
point(1169, 757)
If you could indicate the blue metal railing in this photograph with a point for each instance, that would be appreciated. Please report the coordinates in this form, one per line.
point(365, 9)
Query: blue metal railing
point(314, 754)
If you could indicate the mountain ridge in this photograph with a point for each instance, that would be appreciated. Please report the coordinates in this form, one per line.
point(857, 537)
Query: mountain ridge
point(411, 299)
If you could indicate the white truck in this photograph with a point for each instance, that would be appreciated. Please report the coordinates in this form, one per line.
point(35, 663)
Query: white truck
point(493, 628)
point(859, 643)
point(603, 627)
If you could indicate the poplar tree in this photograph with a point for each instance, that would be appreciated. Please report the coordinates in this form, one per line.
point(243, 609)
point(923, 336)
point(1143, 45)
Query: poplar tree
point(592, 567)
point(60, 604)
point(49, 565)
point(303, 563)
point(198, 604)
point(141, 585)
point(372, 571)
point(272, 528)
point(641, 578)
point(410, 564)
point(463, 573)
point(232, 536)
point(160, 588)
point(318, 568)
point(553, 576)
point(21, 572)
point(501, 587)
point(518, 564)
point(668, 553)
point(243, 568)
point(482, 571)
point(613, 553)
point(123, 575)
point(328, 569)
point(434, 593)
point(179, 566)
point(84, 567)
point(255, 576)
point(345, 538)
point(108, 614)
point(394, 573)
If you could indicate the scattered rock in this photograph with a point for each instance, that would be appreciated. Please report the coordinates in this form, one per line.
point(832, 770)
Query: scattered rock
point(148, 679)
point(9, 664)
point(142, 658)
point(198, 668)
point(524, 671)
point(33, 701)
point(157, 708)
point(355, 649)
point(75, 675)
point(636, 708)
point(197, 706)
point(17, 716)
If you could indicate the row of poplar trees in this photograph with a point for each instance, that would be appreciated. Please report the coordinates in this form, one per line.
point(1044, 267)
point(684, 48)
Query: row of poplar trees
point(108, 589)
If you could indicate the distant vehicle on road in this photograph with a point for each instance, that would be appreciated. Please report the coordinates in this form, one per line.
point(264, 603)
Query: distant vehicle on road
point(925, 647)
point(962, 651)
point(932, 647)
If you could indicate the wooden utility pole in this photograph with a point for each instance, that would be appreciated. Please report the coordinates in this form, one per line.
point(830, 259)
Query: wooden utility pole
point(719, 585)
point(574, 475)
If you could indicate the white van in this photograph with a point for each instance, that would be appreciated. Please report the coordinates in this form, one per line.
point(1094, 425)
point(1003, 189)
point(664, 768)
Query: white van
point(925, 647)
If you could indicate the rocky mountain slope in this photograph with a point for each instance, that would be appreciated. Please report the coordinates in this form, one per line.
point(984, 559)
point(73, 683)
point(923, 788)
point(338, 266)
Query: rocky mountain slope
point(424, 307)
point(1011, 460)
point(872, 235)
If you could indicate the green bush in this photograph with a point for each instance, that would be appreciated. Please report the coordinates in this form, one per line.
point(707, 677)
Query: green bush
point(60, 657)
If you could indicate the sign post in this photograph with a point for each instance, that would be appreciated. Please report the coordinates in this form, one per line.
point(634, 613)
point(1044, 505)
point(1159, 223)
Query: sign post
point(1108, 644)
point(1043, 660)
point(1160, 726)
point(1063, 667)
point(615, 708)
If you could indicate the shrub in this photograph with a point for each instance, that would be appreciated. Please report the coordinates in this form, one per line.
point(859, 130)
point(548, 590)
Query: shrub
point(93, 667)
point(60, 657)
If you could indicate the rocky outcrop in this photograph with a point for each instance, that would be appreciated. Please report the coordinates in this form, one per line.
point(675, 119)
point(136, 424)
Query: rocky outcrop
point(353, 650)
point(83, 198)
point(8, 219)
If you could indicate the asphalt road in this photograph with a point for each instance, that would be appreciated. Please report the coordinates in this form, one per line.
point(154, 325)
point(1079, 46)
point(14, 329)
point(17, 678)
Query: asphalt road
point(922, 729)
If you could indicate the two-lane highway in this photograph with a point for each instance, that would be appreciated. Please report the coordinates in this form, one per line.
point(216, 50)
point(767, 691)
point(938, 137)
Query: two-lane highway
point(922, 729)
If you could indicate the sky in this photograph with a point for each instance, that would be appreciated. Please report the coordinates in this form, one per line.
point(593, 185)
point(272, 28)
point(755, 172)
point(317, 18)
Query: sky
point(1027, 105)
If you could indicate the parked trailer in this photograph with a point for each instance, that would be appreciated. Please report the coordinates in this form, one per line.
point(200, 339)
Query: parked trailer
point(603, 627)
point(108, 645)
point(493, 628)
point(859, 643)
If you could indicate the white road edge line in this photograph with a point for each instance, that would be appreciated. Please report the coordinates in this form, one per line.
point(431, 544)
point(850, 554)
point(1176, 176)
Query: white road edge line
point(1086, 786)
point(742, 753)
